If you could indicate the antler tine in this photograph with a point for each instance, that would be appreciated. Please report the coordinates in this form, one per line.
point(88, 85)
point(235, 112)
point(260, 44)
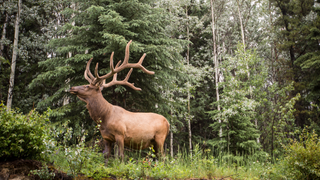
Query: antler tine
point(119, 67)
point(128, 75)
point(88, 69)
point(127, 53)
point(87, 72)
point(123, 82)
point(96, 71)
point(143, 68)
point(115, 75)
point(111, 62)
point(86, 77)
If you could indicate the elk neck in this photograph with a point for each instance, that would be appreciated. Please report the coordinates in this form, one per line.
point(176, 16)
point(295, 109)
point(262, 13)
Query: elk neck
point(98, 107)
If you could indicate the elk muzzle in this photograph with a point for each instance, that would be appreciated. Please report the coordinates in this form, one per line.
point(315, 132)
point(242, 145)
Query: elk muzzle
point(73, 90)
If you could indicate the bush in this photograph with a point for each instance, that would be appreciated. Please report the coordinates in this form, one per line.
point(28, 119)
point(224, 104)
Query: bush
point(21, 136)
point(303, 156)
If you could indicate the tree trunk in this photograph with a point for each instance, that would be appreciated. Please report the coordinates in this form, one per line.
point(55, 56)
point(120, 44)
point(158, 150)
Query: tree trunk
point(244, 48)
point(171, 140)
point(241, 25)
point(189, 113)
point(4, 31)
point(14, 57)
point(216, 62)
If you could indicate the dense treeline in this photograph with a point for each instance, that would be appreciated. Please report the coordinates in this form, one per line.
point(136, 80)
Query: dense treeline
point(264, 68)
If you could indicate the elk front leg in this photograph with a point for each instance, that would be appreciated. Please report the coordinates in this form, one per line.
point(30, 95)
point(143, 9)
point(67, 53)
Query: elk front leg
point(120, 143)
point(107, 150)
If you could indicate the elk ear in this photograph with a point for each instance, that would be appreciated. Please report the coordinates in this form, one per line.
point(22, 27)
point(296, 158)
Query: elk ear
point(101, 85)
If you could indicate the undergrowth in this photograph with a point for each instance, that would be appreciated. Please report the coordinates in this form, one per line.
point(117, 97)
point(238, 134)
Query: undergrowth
point(136, 166)
point(86, 159)
point(203, 164)
point(82, 159)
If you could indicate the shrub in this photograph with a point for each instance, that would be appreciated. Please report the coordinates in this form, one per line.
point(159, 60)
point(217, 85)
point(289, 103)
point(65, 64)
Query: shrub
point(21, 136)
point(303, 156)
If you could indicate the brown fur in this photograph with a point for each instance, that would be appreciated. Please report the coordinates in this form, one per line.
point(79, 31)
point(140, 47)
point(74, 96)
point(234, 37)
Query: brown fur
point(133, 130)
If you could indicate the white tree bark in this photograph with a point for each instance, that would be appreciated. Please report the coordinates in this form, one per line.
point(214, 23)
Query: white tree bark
point(171, 140)
point(14, 57)
point(4, 31)
point(189, 113)
point(244, 48)
point(241, 25)
point(216, 62)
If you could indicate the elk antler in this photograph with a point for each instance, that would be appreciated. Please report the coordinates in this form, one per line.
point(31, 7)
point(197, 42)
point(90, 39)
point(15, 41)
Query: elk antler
point(100, 81)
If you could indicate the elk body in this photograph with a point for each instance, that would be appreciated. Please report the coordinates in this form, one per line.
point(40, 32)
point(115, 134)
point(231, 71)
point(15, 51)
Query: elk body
point(117, 125)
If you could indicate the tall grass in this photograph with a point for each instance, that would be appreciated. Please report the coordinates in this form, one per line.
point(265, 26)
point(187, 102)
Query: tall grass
point(203, 164)
point(142, 165)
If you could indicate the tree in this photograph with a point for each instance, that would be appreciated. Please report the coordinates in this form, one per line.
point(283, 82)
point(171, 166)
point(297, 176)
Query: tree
point(238, 109)
point(101, 28)
point(37, 21)
point(14, 56)
point(294, 22)
point(216, 62)
point(309, 63)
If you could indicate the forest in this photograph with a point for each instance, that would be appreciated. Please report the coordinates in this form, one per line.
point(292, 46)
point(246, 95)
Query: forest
point(237, 80)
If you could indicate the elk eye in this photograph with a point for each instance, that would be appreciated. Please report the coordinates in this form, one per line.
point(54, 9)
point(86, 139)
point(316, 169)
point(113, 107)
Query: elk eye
point(87, 86)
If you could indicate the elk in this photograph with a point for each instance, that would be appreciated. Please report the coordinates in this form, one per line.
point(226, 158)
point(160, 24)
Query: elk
point(135, 130)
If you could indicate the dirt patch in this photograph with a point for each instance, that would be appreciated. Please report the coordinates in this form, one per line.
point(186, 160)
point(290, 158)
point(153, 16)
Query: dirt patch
point(20, 170)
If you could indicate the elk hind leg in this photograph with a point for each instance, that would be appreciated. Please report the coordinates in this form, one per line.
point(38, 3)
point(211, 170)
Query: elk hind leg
point(159, 142)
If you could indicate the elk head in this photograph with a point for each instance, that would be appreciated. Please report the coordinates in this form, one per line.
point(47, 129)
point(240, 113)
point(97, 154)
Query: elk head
point(97, 83)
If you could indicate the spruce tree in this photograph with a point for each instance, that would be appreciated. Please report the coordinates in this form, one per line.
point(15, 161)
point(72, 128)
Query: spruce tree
point(294, 22)
point(309, 63)
point(95, 29)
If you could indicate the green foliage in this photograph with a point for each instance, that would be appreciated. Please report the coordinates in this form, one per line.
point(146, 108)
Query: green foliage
point(296, 29)
point(244, 75)
point(300, 161)
point(36, 28)
point(182, 166)
point(302, 156)
point(69, 158)
point(309, 62)
point(80, 159)
point(43, 173)
point(97, 28)
point(22, 136)
point(278, 115)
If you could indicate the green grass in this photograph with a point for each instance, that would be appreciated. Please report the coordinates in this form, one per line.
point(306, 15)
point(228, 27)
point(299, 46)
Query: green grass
point(203, 164)
point(137, 165)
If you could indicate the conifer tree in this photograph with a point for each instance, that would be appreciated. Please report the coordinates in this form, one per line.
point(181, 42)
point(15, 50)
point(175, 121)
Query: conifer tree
point(294, 22)
point(309, 63)
point(95, 29)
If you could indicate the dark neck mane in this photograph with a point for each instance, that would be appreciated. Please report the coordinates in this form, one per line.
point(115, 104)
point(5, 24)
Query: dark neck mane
point(98, 108)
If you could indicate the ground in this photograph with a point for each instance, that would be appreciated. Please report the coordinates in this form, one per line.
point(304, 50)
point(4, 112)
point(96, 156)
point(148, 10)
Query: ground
point(20, 170)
